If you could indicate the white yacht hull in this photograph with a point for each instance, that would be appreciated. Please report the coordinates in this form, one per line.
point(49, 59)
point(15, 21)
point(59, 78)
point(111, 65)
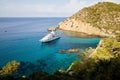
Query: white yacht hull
point(50, 37)
point(48, 40)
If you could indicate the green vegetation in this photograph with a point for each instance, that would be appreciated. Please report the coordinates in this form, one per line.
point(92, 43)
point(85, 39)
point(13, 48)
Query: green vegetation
point(102, 54)
point(110, 47)
point(85, 54)
point(104, 64)
point(104, 15)
point(10, 68)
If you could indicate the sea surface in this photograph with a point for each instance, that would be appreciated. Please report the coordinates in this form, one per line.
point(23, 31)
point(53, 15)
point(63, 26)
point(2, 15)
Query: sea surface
point(19, 40)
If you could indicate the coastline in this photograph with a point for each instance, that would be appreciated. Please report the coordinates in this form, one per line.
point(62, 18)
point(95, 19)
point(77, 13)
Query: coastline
point(96, 48)
point(90, 56)
point(80, 34)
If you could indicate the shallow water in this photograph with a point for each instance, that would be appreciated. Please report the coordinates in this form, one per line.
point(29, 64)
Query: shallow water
point(19, 40)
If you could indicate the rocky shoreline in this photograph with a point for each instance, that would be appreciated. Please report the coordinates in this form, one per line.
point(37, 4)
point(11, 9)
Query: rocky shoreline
point(83, 28)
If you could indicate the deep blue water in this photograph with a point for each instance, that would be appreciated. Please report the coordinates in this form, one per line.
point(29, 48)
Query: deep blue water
point(19, 40)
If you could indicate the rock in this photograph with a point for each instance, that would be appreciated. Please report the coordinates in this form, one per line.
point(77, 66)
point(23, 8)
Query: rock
point(73, 50)
point(71, 72)
point(24, 76)
point(70, 51)
point(62, 51)
point(52, 29)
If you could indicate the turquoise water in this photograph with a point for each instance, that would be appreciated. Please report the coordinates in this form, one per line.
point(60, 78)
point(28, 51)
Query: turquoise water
point(19, 40)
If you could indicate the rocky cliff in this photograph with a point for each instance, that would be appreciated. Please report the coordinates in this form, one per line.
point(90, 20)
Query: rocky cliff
point(102, 19)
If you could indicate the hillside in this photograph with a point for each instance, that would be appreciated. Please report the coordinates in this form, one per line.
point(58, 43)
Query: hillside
point(103, 63)
point(102, 19)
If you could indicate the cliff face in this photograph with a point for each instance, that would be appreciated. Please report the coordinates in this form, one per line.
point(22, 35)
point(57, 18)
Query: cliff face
point(95, 20)
point(79, 26)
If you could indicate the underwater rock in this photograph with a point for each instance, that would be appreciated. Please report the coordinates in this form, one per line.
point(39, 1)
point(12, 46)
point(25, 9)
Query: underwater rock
point(27, 68)
point(62, 51)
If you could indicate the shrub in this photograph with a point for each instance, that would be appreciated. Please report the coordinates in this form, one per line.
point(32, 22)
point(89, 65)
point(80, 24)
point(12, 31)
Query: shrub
point(10, 68)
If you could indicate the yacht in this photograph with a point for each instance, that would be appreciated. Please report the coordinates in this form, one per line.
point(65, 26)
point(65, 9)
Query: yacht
point(50, 37)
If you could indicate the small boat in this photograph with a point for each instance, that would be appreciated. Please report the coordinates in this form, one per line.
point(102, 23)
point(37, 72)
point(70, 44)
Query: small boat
point(50, 37)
